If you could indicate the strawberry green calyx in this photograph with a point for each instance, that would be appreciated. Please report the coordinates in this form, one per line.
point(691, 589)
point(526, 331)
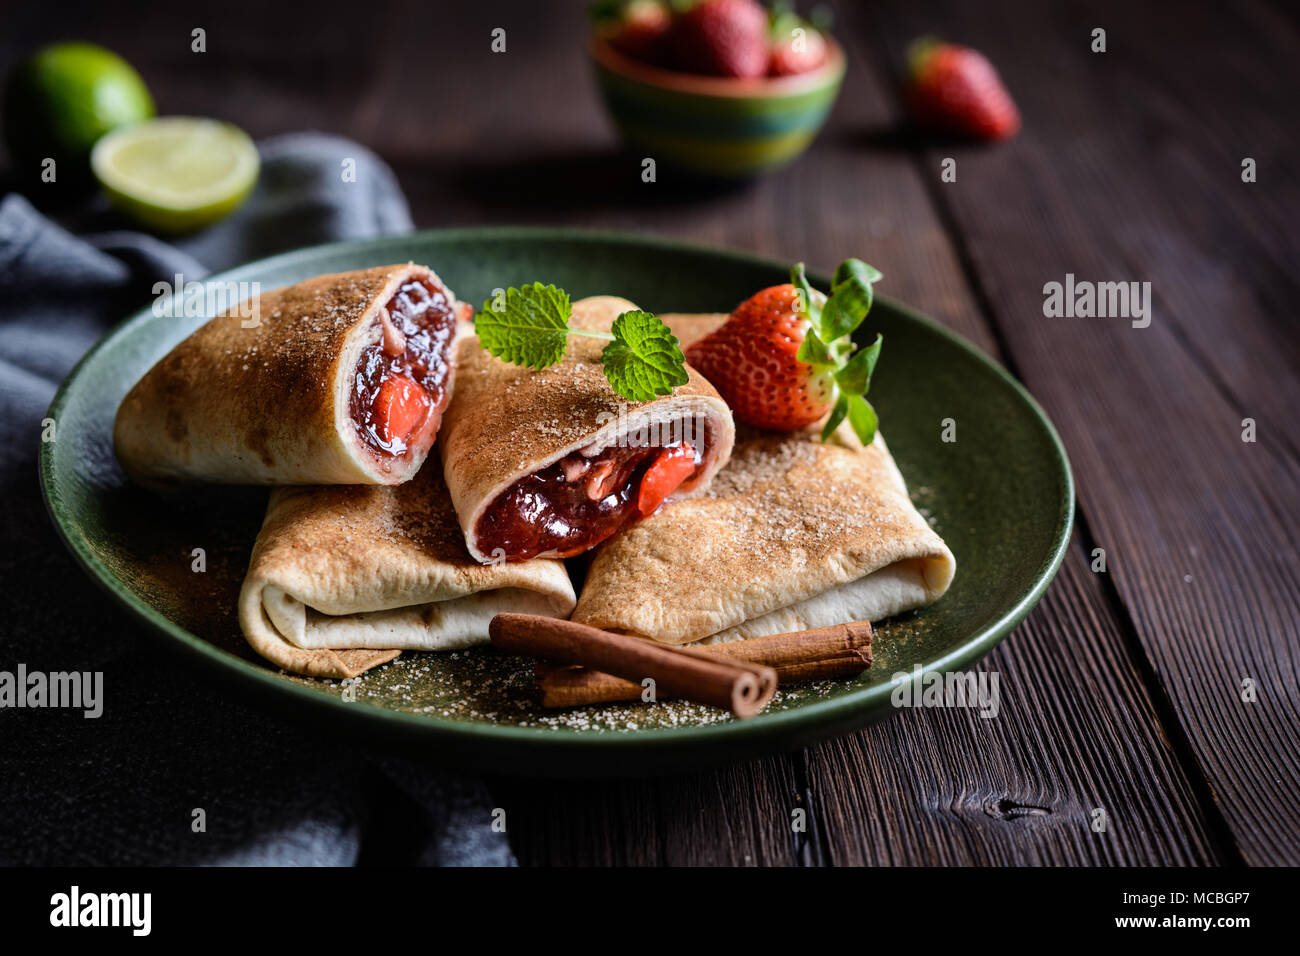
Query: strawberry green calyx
point(529, 326)
point(782, 21)
point(918, 52)
point(828, 342)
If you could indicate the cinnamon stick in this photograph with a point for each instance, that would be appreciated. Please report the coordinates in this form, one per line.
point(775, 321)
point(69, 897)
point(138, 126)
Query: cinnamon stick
point(740, 686)
point(827, 652)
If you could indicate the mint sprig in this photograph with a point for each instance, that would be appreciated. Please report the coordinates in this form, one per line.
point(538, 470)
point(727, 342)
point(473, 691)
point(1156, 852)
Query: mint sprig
point(529, 326)
point(644, 360)
point(828, 343)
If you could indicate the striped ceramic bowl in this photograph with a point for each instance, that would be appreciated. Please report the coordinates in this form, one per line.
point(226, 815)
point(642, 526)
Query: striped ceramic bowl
point(714, 125)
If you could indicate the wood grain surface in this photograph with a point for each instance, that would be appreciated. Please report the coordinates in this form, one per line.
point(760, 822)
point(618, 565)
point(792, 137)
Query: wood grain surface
point(1198, 526)
point(1122, 690)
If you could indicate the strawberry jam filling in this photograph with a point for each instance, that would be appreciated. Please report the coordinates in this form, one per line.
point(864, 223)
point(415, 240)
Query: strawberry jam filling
point(401, 380)
point(576, 503)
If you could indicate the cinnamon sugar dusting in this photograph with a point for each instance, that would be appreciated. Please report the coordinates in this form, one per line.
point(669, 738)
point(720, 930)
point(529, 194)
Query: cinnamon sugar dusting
point(357, 519)
point(483, 686)
point(787, 518)
point(218, 383)
point(794, 490)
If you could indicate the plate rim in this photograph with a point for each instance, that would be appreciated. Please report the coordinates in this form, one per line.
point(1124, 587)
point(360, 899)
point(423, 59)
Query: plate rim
point(805, 717)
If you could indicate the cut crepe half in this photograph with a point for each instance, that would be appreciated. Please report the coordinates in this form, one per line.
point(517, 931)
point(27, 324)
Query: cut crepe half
point(552, 462)
point(344, 578)
point(341, 379)
point(793, 534)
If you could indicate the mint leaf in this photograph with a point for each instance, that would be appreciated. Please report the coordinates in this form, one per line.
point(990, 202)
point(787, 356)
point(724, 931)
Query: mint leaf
point(837, 415)
point(530, 330)
point(862, 418)
point(645, 359)
point(854, 378)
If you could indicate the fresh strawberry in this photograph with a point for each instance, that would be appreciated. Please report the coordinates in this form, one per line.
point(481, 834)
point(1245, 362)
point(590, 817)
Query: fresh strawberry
point(797, 53)
point(400, 407)
point(722, 38)
point(786, 357)
point(751, 362)
point(642, 31)
point(673, 466)
point(955, 89)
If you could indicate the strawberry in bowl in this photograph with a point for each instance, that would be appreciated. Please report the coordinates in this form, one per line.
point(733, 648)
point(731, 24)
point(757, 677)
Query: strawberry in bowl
point(722, 38)
point(641, 30)
point(718, 87)
point(738, 39)
point(786, 358)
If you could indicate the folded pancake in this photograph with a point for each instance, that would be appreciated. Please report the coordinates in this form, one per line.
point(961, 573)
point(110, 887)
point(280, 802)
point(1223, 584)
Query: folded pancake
point(343, 578)
point(793, 534)
point(342, 379)
point(554, 462)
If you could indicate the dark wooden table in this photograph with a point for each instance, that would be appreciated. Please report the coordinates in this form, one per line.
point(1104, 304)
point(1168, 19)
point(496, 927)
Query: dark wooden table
point(1123, 689)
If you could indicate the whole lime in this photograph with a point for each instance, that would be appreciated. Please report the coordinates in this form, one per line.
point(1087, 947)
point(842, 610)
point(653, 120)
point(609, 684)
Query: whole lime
point(62, 99)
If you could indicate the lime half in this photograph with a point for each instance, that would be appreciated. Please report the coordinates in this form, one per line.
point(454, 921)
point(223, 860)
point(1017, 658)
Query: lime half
point(178, 173)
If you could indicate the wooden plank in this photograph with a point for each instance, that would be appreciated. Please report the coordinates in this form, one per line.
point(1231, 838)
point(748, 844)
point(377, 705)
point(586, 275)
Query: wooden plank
point(1198, 526)
point(736, 816)
point(1077, 734)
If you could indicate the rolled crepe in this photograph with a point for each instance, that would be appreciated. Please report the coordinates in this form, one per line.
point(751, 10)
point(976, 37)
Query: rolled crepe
point(344, 578)
point(342, 379)
point(528, 455)
point(793, 534)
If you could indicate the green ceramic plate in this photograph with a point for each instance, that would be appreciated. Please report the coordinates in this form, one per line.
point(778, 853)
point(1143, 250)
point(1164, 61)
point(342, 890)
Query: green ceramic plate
point(1001, 496)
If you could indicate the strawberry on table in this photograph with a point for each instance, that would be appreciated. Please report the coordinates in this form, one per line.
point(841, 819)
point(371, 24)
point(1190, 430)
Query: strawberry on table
point(955, 89)
point(722, 38)
point(786, 358)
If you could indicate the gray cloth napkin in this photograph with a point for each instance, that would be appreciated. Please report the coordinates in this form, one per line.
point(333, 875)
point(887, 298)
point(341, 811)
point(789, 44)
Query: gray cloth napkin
point(124, 788)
